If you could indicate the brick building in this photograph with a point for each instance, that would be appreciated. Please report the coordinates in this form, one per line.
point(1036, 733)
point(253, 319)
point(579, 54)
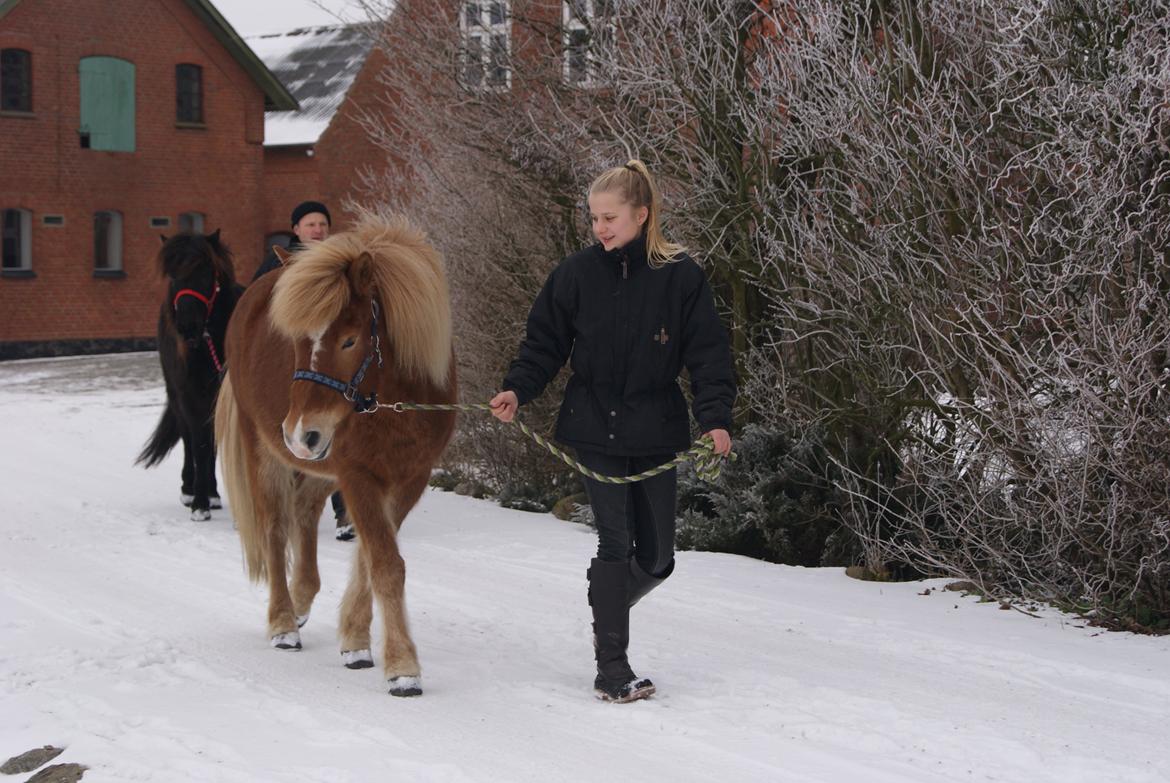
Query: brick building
point(321, 150)
point(120, 120)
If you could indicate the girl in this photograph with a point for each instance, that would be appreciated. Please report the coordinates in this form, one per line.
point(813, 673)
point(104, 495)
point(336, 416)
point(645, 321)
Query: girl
point(631, 311)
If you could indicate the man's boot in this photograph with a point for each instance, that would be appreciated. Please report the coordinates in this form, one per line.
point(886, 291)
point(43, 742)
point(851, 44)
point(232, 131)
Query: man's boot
point(609, 597)
point(642, 582)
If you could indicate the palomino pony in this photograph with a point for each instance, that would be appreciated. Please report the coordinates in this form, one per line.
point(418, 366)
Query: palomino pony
point(201, 295)
point(362, 313)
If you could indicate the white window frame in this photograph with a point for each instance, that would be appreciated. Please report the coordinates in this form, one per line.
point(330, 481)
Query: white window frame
point(485, 32)
point(194, 222)
point(25, 249)
point(572, 21)
point(113, 242)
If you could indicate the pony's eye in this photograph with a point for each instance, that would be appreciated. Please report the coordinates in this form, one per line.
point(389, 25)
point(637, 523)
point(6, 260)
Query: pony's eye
point(348, 343)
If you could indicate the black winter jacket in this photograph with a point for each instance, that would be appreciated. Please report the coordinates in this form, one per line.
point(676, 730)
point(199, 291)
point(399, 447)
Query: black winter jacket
point(628, 330)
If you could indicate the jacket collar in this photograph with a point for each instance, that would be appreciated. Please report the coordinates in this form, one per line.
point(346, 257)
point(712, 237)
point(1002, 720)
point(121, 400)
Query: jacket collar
point(633, 252)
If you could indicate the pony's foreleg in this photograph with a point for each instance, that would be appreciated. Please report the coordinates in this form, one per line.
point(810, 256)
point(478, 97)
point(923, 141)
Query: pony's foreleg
point(203, 453)
point(306, 581)
point(376, 516)
point(357, 612)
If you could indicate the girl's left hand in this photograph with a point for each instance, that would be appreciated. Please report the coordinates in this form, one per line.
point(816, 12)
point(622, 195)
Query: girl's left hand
point(722, 441)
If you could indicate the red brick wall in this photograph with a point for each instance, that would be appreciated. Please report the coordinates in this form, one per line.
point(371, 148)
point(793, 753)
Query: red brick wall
point(345, 151)
point(290, 177)
point(214, 170)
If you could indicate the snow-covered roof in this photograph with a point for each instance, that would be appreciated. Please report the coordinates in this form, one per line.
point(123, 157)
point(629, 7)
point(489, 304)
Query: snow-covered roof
point(317, 65)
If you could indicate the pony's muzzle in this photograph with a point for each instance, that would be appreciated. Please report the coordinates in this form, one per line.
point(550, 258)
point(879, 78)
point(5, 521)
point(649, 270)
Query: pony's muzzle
point(306, 443)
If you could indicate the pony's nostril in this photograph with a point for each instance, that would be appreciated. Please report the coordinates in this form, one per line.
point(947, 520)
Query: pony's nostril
point(312, 438)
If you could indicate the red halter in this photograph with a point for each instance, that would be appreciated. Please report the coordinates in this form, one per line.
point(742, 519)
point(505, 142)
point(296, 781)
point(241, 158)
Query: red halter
point(210, 303)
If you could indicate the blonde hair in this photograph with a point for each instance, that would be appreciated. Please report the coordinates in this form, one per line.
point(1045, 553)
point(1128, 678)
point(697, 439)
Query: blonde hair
point(635, 186)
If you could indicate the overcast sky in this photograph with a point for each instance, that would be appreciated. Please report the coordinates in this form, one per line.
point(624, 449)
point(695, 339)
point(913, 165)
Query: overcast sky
point(252, 17)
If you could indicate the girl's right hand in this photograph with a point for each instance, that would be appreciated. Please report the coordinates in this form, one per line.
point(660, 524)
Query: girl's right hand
point(504, 405)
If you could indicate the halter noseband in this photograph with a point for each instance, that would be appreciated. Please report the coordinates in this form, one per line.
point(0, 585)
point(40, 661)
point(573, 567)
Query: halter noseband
point(209, 302)
point(361, 404)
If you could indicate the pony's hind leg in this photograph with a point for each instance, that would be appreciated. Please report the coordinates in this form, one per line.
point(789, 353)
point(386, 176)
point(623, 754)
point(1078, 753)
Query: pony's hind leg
point(308, 501)
point(187, 491)
point(357, 612)
point(376, 517)
point(272, 498)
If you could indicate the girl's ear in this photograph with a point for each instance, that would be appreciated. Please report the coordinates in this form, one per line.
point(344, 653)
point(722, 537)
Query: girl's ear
point(641, 214)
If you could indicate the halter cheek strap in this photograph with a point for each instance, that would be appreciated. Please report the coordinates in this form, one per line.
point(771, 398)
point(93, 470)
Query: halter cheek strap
point(209, 302)
point(362, 404)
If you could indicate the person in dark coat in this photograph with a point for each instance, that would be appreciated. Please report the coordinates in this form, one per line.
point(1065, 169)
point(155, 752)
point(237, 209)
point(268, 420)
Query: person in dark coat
point(627, 313)
point(311, 223)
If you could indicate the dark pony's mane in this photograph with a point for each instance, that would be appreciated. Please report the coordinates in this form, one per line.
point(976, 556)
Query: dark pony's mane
point(182, 254)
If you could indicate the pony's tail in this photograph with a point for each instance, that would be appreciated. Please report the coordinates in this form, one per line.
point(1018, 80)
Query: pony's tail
point(230, 444)
point(165, 436)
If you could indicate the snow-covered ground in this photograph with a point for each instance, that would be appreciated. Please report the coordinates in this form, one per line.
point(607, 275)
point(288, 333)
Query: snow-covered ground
point(130, 635)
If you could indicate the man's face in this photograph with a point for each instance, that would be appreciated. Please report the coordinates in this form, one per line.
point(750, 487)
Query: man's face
point(313, 227)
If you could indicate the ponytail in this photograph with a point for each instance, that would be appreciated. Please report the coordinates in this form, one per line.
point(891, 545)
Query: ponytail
point(637, 187)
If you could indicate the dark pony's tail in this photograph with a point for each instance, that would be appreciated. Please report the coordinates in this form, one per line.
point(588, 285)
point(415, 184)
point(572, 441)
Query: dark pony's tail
point(165, 436)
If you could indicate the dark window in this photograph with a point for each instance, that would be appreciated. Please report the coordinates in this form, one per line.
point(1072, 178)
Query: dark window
point(107, 241)
point(280, 238)
point(191, 222)
point(160, 222)
point(15, 80)
point(16, 244)
point(189, 93)
point(107, 104)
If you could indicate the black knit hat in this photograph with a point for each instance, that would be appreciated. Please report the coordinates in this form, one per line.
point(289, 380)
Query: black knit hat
point(306, 207)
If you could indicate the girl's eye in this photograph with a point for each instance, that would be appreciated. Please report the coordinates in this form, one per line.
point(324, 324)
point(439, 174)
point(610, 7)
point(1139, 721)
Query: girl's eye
point(348, 343)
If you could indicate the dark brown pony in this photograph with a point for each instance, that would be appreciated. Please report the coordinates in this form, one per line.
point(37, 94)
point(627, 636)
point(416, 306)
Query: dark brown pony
point(364, 312)
point(200, 297)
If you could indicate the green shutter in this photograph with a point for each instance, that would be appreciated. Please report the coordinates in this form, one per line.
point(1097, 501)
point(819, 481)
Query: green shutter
point(107, 103)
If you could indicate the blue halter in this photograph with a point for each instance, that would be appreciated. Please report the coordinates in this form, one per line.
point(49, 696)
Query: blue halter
point(361, 404)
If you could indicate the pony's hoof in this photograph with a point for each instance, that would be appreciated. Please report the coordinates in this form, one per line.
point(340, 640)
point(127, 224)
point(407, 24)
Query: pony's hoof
point(405, 686)
point(357, 659)
point(215, 501)
point(286, 641)
point(200, 514)
point(186, 499)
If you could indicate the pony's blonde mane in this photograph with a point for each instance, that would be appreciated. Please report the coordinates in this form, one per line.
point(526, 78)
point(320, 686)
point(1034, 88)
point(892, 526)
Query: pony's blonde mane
point(408, 281)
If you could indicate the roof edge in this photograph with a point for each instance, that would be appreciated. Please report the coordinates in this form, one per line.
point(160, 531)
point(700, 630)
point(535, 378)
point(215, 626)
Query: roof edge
point(276, 94)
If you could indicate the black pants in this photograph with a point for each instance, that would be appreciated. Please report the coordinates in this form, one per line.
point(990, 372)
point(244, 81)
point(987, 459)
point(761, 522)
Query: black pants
point(633, 520)
point(338, 505)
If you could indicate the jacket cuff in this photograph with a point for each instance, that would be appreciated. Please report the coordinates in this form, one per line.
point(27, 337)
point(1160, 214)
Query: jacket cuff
point(522, 397)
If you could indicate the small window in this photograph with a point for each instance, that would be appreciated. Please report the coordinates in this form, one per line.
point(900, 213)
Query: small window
point(107, 104)
point(487, 49)
point(280, 238)
point(189, 93)
point(191, 222)
point(589, 34)
point(161, 221)
point(15, 80)
point(53, 220)
point(107, 241)
point(17, 240)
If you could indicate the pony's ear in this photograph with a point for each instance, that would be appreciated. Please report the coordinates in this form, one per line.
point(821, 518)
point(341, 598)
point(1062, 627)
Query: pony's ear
point(281, 254)
point(214, 237)
point(163, 237)
point(361, 274)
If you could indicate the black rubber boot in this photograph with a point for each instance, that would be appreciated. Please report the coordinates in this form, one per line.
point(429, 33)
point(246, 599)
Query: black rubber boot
point(642, 582)
point(609, 598)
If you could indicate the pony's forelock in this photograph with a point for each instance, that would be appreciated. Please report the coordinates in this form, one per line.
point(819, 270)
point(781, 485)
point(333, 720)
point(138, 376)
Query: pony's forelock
point(408, 280)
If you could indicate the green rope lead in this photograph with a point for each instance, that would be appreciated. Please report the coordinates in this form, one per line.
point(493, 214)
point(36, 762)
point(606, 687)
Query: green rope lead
point(702, 452)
